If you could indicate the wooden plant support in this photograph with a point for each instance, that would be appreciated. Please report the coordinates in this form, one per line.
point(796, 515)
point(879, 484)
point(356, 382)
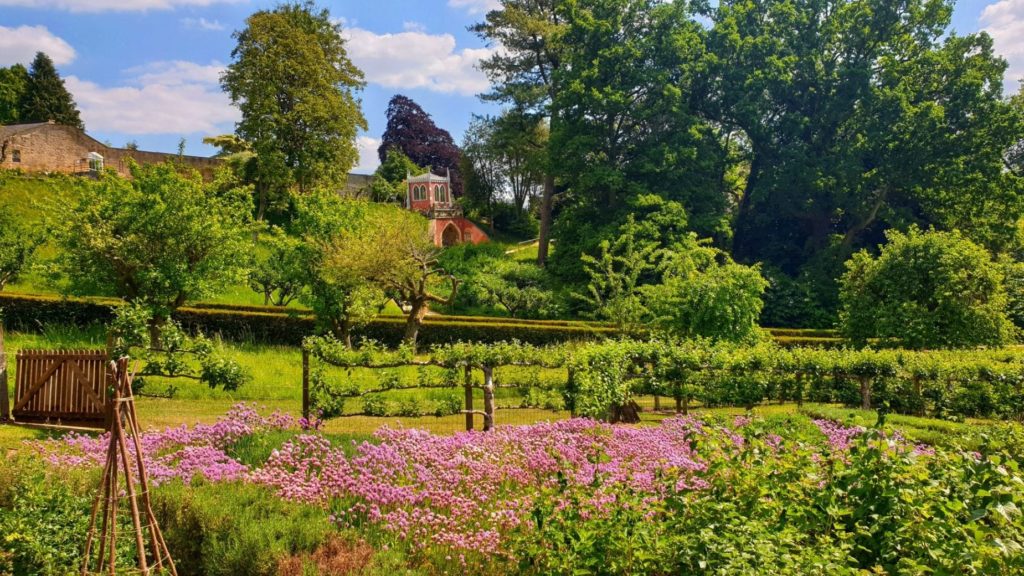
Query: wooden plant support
point(123, 427)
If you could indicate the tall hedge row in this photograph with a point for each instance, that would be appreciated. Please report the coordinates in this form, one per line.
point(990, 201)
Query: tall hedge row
point(31, 313)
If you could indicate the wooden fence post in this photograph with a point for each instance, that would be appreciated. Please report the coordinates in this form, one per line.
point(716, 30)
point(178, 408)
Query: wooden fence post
point(469, 398)
point(305, 383)
point(5, 402)
point(488, 398)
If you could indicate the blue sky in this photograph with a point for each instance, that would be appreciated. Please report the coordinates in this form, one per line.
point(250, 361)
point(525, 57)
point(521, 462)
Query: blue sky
point(146, 70)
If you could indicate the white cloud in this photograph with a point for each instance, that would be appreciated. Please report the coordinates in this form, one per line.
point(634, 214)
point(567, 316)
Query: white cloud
point(19, 45)
point(111, 5)
point(201, 24)
point(368, 159)
point(475, 6)
point(417, 60)
point(1004, 21)
point(410, 26)
point(160, 98)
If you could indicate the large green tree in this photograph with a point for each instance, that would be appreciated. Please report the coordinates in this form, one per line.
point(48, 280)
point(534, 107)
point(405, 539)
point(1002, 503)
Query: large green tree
point(46, 98)
point(160, 240)
point(13, 83)
point(296, 88)
point(524, 73)
point(627, 125)
point(857, 116)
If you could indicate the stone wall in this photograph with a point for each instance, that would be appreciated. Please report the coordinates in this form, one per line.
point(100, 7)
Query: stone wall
point(55, 148)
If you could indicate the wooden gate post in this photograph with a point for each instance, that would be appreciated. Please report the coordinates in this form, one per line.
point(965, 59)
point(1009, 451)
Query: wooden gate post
point(5, 402)
point(488, 398)
point(305, 383)
point(469, 397)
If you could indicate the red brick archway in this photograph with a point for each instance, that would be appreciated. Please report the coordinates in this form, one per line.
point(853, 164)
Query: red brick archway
point(451, 235)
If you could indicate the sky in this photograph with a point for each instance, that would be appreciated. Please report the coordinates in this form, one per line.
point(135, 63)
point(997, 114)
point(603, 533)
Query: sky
point(147, 70)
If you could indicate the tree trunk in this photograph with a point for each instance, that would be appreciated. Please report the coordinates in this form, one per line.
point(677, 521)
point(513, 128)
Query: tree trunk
point(155, 332)
point(739, 237)
point(488, 398)
point(547, 202)
point(865, 393)
point(468, 372)
point(412, 324)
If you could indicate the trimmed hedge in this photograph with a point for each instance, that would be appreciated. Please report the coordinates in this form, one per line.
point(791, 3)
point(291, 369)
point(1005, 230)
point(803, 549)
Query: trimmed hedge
point(31, 313)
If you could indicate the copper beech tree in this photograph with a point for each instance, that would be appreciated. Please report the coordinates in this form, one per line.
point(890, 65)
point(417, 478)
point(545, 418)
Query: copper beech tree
point(395, 251)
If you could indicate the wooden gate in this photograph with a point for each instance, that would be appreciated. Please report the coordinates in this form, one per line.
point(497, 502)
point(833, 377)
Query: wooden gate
point(61, 386)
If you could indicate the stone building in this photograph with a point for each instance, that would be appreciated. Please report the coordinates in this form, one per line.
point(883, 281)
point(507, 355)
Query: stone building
point(49, 147)
point(431, 195)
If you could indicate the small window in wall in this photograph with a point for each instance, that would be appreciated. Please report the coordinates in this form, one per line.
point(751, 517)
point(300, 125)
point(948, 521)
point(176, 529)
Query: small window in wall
point(467, 236)
point(419, 192)
point(440, 194)
point(16, 156)
point(95, 162)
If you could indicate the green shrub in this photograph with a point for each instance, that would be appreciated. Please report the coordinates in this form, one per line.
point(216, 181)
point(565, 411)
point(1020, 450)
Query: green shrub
point(925, 290)
point(375, 405)
point(225, 529)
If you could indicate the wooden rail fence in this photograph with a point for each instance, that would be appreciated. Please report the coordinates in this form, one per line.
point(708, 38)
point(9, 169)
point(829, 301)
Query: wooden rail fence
point(61, 386)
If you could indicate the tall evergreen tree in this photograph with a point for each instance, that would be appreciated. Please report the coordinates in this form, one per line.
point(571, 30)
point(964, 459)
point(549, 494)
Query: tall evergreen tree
point(411, 130)
point(45, 97)
point(13, 83)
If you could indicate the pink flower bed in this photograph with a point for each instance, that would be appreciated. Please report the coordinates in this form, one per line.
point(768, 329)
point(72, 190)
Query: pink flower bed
point(464, 491)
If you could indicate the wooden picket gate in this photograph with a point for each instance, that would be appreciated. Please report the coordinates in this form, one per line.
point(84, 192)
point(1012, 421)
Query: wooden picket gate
point(61, 387)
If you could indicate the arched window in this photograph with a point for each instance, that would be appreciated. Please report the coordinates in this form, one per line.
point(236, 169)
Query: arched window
point(440, 194)
point(419, 192)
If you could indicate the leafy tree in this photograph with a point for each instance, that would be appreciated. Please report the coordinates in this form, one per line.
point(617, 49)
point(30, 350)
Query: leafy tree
point(672, 282)
point(413, 132)
point(295, 86)
point(857, 116)
point(18, 244)
point(279, 273)
point(389, 180)
point(341, 299)
point(395, 251)
point(161, 239)
point(925, 290)
point(45, 98)
point(622, 133)
point(518, 287)
point(524, 73)
point(13, 84)
point(507, 153)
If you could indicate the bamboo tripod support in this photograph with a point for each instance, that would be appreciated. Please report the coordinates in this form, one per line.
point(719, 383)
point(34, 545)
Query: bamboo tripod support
point(123, 427)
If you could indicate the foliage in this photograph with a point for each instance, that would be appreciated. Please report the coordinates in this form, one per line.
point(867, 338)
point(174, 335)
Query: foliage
point(841, 149)
point(13, 84)
point(413, 132)
point(18, 244)
point(235, 528)
point(394, 252)
point(627, 72)
point(518, 287)
point(655, 275)
point(341, 298)
point(174, 355)
point(46, 98)
point(504, 166)
point(389, 180)
point(926, 290)
point(160, 239)
point(295, 86)
point(279, 272)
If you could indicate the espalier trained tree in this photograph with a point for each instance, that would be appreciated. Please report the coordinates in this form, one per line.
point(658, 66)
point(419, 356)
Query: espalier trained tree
point(925, 290)
point(160, 240)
